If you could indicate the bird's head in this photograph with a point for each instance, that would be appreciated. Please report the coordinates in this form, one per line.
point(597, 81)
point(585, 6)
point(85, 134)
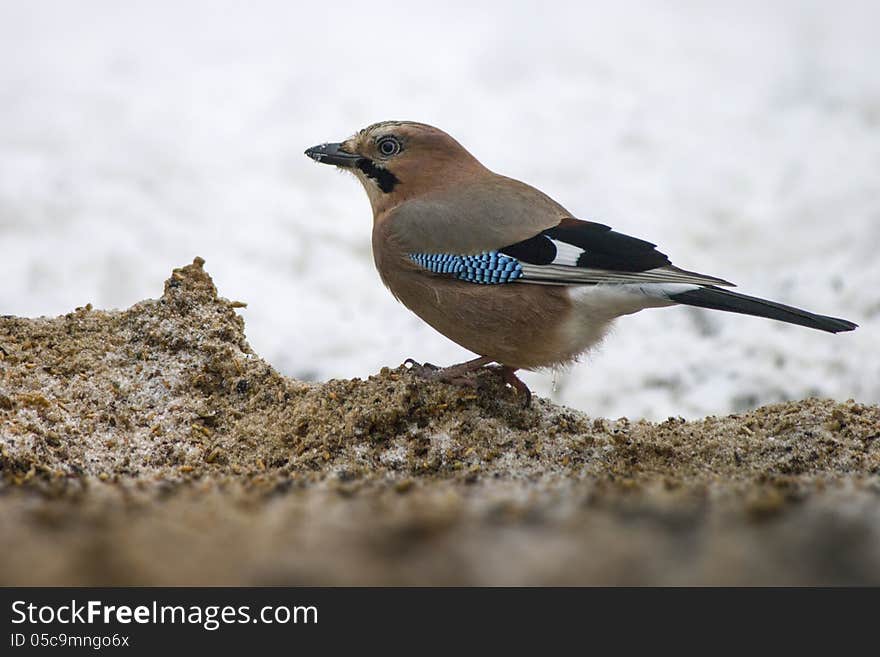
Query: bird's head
point(397, 160)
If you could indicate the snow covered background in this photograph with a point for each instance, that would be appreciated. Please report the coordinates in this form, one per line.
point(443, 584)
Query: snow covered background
point(744, 138)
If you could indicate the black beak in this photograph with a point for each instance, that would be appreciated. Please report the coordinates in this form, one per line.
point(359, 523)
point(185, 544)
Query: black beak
point(332, 154)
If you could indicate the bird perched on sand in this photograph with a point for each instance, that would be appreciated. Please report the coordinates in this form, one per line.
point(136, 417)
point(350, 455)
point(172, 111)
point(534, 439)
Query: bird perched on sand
point(504, 270)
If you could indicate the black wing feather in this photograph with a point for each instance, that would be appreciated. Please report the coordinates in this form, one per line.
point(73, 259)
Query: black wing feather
point(603, 248)
point(607, 249)
point(605, 256)
point(537, 250)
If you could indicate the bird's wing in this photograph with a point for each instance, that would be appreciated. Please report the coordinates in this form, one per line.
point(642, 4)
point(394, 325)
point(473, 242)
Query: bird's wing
point(579, 252)
point(573, 252)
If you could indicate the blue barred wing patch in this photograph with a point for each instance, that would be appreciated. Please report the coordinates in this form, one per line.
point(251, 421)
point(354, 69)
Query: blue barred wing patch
point(487, 268)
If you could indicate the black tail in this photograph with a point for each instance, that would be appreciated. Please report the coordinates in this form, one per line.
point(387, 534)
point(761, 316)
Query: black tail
point(718, 299)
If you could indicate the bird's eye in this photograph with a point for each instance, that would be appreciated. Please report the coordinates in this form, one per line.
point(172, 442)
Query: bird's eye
point(388, 146)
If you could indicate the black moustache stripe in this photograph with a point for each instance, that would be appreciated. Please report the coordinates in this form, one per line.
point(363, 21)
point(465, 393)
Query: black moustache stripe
point(383, 177)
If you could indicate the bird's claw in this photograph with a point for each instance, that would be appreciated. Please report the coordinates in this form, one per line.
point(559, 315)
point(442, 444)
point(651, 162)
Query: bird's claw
point(520, 388)
point(508, 375)
point(461, 375)
point(431, 372)
point(425, 371)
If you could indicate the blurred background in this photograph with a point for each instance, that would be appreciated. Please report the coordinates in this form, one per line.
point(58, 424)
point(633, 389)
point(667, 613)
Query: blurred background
point(743, 138)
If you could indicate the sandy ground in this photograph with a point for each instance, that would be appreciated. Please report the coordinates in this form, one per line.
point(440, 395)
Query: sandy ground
point(153, 446)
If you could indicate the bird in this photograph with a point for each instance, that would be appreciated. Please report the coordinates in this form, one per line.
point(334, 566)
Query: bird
point(502, 269)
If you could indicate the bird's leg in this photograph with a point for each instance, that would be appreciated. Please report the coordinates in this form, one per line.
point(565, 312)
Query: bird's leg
point(462, 369)
point(456, 374)
point(509, 376)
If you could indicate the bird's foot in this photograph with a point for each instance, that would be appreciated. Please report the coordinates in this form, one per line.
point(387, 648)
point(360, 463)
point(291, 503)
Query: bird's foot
point(460, 374)
point(508, 375)
point(419, 369)
point(463, 374)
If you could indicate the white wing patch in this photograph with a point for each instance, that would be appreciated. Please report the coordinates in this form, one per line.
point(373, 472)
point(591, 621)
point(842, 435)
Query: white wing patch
point(566, 254)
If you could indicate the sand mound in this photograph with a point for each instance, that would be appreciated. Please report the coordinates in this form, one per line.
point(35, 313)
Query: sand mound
point(152, 446)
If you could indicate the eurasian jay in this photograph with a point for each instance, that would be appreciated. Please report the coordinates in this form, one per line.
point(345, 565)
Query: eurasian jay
point(502, 269)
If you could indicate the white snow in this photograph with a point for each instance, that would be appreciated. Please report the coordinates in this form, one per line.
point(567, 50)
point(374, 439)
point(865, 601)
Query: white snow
point(743, 138)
